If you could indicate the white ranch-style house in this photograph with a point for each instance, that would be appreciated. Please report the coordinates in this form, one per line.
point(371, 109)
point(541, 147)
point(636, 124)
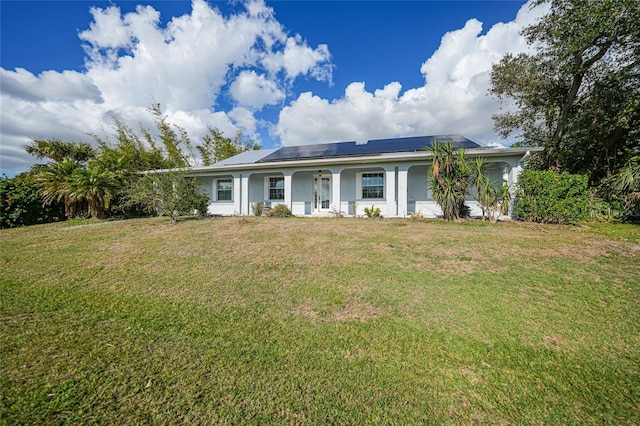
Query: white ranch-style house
point(391, 174)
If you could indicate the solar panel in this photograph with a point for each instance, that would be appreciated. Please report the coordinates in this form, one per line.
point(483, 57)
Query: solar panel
point(373, 147)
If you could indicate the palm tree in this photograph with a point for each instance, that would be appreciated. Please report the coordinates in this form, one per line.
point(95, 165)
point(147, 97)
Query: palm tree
point(626, 185)
point(95, 188)
point(55, 184)
point(56, 179)
point(57, 150)
point(450, 176)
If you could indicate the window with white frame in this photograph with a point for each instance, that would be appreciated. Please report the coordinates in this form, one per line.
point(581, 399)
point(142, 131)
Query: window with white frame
point(275, 188)
point(372, 185)
point(224, 189)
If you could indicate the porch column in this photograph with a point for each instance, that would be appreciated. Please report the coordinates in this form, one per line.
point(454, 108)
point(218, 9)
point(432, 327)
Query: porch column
point(403, 190)
point(287, 188)
point(237, 194)
point(390, 190)
point(245, 208)
point(335, 189)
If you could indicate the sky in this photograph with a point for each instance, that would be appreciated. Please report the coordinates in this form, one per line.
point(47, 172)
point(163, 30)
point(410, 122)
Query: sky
point(281, 72)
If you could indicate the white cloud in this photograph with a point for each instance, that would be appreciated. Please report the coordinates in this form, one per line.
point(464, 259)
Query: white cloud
point(244, 119)
point(132, 61)
point(51, 85)
point(453, 99)
point(255, 91)
point(298, 58)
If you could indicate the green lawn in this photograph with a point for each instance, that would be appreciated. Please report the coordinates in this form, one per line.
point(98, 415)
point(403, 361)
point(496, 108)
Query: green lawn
point(319, 321)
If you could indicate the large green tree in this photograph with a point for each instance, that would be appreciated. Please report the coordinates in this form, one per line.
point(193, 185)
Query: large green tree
point(170, 193)
point(216, 146)
point(578, 95)
point(56, 179)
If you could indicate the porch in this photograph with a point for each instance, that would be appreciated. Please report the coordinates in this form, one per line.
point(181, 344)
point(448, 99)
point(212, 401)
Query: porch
point(396, 189)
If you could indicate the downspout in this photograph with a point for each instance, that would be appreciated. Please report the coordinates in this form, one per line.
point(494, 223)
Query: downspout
point(524, 158)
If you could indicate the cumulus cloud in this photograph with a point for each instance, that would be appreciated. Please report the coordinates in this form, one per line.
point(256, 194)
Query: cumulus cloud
point(298, 58)
point(189, 66)
point(255, 91)
point(453, 98)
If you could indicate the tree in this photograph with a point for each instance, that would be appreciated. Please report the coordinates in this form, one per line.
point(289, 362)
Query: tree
point(578, 96)
point(56, 179)
point(216, 147)
point(450, 177)
point(170, 193)
point(55, 185)
point(95, 188)
point(56, 150)
point(174, 139)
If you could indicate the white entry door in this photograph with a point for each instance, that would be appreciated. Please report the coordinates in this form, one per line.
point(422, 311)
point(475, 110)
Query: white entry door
point(321, 193)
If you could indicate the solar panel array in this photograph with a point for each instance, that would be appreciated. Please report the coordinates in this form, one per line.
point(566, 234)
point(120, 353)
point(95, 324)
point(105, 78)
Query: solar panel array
point(373, 147)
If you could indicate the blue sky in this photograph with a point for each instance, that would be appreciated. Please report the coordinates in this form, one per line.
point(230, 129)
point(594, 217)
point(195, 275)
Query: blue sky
point(282, 72)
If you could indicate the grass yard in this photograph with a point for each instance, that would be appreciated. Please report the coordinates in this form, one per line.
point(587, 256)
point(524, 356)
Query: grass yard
point(319, 321)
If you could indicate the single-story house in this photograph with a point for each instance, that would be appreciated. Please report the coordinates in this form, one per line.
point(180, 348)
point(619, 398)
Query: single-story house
point(391, 174)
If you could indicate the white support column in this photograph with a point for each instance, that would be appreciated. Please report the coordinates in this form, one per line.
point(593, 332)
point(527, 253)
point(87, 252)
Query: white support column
point(403, 190)
point(287, 189)
point(390, 190)
point(237, 194)
point(335, 189)
point(245, 208)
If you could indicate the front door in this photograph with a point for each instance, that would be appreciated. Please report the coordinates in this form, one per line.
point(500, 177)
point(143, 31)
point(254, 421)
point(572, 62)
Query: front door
point(321, 193)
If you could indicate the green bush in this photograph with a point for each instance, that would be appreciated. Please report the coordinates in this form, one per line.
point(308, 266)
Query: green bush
point(280, 211)
point(21, 205)
point(257, 208)
point(550, 197)
point(372, 212)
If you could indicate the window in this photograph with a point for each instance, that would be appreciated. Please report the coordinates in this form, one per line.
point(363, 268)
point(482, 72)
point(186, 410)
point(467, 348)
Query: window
point(372, 185)
point(276, 188)
point(223, 189)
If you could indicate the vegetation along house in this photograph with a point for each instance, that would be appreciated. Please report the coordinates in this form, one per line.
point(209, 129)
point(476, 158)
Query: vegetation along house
point(390, 174)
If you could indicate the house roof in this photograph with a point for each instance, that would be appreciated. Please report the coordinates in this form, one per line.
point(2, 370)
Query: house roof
point(372, 147)
point(247, 157)
point(341, 153)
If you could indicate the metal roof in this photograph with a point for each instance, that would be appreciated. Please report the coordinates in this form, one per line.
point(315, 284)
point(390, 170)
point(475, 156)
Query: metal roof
point(372, 147)
point(247, 157)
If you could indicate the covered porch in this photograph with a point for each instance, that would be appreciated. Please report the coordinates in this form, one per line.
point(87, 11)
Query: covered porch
point(396, 189)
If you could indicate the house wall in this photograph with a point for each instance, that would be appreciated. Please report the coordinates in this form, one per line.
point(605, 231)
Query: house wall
point(351, 201)
point(208, 187)
point(302, 192)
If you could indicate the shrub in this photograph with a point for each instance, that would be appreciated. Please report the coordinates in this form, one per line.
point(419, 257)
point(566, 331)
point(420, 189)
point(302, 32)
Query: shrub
point(20, 203)
point(280, 211)
point(416, 215)
point(336, 213)
point(550, 197)
point(257, 208)
point(372, 212)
